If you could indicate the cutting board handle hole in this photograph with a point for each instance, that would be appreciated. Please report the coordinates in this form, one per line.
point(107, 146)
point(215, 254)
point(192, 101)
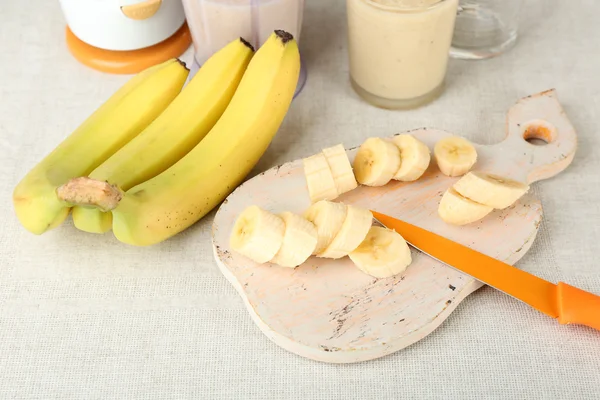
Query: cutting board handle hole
point(539, 132)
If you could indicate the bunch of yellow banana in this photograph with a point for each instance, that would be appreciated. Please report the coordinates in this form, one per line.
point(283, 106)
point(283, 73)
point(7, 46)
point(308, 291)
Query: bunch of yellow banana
point(155, 188)
point(123, 116)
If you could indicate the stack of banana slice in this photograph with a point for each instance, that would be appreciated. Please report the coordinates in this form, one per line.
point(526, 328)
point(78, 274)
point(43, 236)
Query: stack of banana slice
point(328, 174)
point(327, 230)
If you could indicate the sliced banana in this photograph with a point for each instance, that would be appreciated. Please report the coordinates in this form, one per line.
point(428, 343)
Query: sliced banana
point(299, 241)
point(356, 225)
point(455, 155)
point(459, 210)
point(376, 162)
point(257, 234)
point(328, 217)
point(382, 254)
point(414, 157)
point(341, 168)
point(491, 190)
point(319, 178)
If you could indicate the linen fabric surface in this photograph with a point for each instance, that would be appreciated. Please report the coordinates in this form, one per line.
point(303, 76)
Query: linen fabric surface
point(84, 317)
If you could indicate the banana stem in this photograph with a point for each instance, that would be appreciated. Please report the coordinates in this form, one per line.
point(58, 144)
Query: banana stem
point(90, 192)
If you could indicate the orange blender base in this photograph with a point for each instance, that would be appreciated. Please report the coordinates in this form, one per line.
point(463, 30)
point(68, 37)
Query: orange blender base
point(129, 62)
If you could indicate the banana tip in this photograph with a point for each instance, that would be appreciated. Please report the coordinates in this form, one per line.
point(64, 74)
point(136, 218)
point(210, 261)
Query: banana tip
point(182, 63)
point(284, 36)
point(247, 43)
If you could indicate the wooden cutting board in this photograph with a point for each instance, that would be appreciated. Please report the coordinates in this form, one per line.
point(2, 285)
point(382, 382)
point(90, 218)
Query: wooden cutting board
point(328, 310)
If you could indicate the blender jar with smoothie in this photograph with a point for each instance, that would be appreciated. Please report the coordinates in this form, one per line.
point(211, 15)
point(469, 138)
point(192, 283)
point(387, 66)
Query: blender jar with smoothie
point(214, 23)
point(399, 49)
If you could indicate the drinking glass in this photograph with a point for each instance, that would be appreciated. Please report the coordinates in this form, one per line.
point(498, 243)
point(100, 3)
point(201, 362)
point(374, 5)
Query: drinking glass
point(398, 49)
point(485, 28)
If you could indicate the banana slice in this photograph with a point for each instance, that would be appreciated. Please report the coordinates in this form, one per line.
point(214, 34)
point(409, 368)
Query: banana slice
point(458, 210)
point(328, 217)
point(319, 178)
point(341, 168)
point(376, 162)
point(353, 231)
point(414, 158)
point(491, 190)
point(299, 241)
point(257, 234)
point(455, 155)
point(382, 254)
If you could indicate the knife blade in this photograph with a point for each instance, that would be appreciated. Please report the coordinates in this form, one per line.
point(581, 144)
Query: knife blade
point(565, 302)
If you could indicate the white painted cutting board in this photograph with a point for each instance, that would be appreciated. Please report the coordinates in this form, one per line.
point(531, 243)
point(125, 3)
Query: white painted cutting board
point(330, 311)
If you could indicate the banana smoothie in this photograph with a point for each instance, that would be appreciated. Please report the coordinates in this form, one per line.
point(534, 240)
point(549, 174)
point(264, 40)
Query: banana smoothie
point(398, 49)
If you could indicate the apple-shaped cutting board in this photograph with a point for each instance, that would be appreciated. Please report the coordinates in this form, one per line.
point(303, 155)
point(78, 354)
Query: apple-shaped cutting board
point(328, 310)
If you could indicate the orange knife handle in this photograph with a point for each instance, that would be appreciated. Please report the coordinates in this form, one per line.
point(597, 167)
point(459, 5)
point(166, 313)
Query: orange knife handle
point(576, 306)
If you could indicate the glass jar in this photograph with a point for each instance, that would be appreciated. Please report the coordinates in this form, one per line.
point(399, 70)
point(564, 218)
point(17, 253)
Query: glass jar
point(214, 23)
point(399, 49)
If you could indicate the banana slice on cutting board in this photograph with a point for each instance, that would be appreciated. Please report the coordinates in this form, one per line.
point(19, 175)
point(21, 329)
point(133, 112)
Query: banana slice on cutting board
point(458, 210)
point(490, 190)
point(328, 217)
point(319, 178)
point(376, 162)
point(299, 240)
point(414, 157)
point(354, 229)
point(383, 253)
point(257, 234)
point(340, 166)
point(455, 155)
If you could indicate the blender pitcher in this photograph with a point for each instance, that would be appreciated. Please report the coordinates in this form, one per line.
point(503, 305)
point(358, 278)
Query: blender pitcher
point(214, 23)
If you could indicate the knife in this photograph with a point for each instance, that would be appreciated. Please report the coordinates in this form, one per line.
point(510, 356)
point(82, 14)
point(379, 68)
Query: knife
point(570, 305)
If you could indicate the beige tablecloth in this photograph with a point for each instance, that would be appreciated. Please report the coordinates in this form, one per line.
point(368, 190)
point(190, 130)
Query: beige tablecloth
point(84, 317)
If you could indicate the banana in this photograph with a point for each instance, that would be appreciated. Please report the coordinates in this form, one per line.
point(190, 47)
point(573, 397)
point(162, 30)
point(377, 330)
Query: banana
point(123, 116)
point(174, 133)
point(257, 234)
point(319, 178)
point(328, 217)
point(356, 225)
point(382, 254)
point(455, 155)
point(175, 199)
point(341, 168)
point(458, 210)
point(414, 157)
point(491, 190)
point(376, 162)
point(299, 241)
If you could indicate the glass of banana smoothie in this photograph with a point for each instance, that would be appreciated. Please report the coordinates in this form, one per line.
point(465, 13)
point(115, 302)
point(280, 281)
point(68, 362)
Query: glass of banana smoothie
point(399, 49)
